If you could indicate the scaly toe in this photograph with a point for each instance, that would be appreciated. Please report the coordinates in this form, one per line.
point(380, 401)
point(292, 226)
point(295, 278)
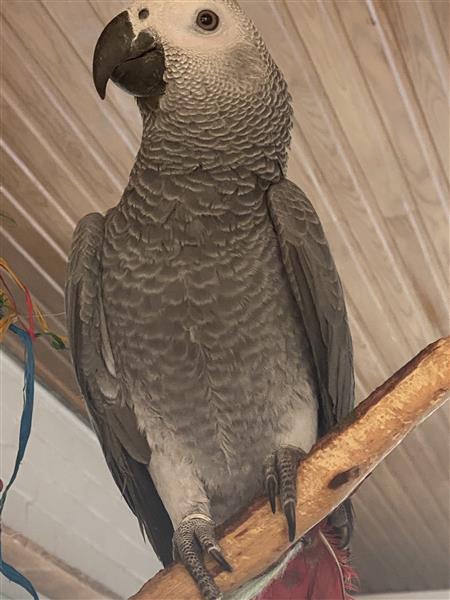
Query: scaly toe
point(194, 536)
point(280, 474)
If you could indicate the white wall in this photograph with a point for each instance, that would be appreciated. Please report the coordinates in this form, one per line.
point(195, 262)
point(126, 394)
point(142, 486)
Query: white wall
point(10, 591)
point(64, 498)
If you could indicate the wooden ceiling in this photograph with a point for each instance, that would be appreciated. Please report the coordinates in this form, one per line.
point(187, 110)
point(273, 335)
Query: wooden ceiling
point(369, 81)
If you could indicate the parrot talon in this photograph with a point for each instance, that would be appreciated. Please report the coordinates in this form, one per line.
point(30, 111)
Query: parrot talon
point(193, 536)
point(220, 559)
point(341, 519)
point(306, 540)
point(272, 493)
point(289, 511)
point(271, 481)
point(280, 470)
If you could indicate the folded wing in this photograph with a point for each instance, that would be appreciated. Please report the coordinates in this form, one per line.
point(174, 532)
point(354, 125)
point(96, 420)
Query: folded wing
point(125, 448)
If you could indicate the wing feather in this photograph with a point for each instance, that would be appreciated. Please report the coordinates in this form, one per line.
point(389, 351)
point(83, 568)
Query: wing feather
point(125, 448)
point(318, 291)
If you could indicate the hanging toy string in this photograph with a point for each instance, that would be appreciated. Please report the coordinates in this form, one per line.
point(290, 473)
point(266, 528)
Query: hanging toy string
point(9, 313)
point(27, 331)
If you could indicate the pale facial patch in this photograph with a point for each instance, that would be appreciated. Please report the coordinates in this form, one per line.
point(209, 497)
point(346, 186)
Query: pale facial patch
point(174, 22)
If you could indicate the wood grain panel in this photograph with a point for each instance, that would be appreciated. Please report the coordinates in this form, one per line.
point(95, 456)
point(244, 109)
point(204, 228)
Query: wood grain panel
point(428, 218)
point(107, 10)
point(406, 93)
point(29, 82)
point(57, 176)
point(441, 12)
point(65, 70)
point(71, 19)
point(36, 242)
point(438, 47)
point(71, 175)
point(33, 197)
point(344, 85)
point(419, 53)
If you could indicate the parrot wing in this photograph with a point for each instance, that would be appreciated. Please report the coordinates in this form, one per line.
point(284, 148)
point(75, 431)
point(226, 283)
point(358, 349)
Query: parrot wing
point(318, 291)
point(125, 448)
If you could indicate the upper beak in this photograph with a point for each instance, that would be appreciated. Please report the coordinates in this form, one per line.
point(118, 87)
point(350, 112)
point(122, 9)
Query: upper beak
point(134, 63)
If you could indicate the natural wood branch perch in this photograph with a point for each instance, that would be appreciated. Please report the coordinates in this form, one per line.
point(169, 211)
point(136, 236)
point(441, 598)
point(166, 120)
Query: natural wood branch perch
point(337, 464)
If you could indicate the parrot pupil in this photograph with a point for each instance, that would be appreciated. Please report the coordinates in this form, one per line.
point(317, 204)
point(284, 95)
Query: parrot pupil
point(143, 14)
point(207, 19)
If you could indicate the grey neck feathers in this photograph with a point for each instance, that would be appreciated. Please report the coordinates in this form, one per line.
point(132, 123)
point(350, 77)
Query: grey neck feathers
point(244, 129)
point(189, 197)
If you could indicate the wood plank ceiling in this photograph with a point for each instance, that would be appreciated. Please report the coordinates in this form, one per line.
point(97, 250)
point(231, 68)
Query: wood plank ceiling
point(369, 81)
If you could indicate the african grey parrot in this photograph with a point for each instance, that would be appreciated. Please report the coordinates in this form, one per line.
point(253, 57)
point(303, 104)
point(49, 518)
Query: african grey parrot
point(206, 318)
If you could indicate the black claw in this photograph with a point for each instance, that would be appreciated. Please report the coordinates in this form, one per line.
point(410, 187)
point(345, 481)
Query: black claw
point(344, 535)
point(289, 511)
point(219, 557)
point(306, 540)
point(272, 493)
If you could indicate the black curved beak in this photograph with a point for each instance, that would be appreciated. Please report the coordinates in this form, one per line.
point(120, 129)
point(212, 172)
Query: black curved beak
point(134, 64)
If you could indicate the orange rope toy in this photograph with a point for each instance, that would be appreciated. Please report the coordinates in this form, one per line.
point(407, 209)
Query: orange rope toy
point(9, 313)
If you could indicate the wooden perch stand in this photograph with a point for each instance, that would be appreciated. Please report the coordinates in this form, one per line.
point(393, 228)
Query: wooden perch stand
point(337, 464)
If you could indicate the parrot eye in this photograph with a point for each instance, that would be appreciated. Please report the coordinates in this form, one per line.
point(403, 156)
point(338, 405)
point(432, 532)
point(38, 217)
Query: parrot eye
point(143, 14)
point(207, 20)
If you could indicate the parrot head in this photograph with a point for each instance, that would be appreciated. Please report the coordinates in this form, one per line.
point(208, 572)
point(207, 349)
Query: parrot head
point(201, 42)
point(199, 67)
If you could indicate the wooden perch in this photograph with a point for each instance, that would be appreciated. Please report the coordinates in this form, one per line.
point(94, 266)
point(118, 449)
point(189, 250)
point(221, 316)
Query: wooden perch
point(337, 464)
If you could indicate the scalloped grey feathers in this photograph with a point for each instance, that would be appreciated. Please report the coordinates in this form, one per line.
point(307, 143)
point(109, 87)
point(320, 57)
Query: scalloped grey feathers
point(126, 450)
point(205, 314)
point(317, 288)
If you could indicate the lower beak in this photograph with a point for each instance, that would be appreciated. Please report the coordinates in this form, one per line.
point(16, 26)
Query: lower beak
point(134, 64)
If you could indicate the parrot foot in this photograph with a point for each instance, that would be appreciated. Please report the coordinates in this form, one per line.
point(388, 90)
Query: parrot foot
point(195, 535)
point(280, 474)
point(341, 519)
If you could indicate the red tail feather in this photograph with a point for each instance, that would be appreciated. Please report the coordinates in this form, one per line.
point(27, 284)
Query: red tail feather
point(319, 572)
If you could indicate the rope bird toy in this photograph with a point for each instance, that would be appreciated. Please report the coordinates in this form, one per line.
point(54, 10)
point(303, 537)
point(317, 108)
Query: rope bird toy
point(27, 331)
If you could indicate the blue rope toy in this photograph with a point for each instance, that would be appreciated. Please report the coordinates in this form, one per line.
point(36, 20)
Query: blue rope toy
point(24, 433)
point(9, 316)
